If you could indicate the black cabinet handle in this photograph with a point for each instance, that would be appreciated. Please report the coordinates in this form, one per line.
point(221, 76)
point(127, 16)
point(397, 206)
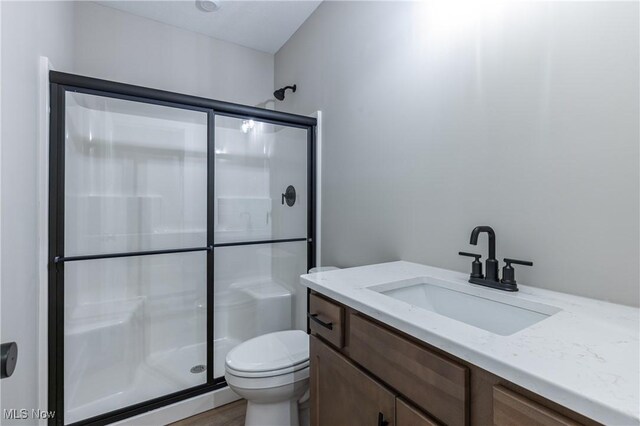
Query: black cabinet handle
point(381, 420)
point(314, 317)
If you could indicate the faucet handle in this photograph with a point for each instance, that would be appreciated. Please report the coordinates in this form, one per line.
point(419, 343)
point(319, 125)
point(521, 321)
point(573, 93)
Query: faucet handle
point(518, 262)
point(476, 265)
point(509, 274)
point(464, 253)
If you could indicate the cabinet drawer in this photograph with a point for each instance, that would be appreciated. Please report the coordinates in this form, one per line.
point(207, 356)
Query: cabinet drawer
point(406, 415)
point(434, 383)
point(511, 409)
point(326, 319)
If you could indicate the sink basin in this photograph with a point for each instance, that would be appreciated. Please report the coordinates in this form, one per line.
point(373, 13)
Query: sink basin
point(503, 315)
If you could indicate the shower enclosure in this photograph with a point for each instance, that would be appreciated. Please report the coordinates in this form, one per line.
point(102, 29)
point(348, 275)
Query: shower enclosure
point(179, 227)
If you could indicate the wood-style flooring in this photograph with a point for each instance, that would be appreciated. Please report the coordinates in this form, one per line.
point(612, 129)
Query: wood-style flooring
point(227, 415)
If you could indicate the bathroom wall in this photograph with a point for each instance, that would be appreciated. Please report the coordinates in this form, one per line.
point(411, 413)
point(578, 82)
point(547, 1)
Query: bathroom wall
point(89, 39)
point(441, 116)
point(29, 29)
point(115, 45)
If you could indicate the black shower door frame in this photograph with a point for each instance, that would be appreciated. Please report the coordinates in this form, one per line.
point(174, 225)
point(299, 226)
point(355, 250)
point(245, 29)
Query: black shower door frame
point(60, 84)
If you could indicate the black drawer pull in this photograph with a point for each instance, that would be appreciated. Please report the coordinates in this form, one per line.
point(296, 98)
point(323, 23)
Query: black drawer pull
point(315, 318)
point(381, 420)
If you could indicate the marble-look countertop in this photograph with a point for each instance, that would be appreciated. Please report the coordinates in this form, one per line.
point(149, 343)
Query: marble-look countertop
point(585, 357)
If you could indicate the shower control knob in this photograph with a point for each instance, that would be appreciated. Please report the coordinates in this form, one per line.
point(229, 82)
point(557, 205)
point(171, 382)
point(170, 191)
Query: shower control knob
point(9, 358)
point(289, 196)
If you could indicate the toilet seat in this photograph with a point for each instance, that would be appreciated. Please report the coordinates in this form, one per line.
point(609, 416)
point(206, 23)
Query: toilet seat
point(269, 355)
point(257, 383)
point(272, 373)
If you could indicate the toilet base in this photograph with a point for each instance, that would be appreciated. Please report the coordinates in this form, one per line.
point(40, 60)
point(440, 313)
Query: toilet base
point(269, 402)
point(304, 414)
point(283, 413)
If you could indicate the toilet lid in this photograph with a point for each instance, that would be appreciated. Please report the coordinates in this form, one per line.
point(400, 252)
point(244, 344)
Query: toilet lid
point(270, 354)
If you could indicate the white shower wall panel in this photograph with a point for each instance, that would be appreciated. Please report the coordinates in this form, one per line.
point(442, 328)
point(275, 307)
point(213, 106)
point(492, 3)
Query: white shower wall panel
point(135, 176)
point(288, 165)
point(143, 339)
point(253, 169)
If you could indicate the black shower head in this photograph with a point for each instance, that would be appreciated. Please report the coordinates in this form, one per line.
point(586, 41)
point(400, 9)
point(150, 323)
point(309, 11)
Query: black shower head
point(279, 94)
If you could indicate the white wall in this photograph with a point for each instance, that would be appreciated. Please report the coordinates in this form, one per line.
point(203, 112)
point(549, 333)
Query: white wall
point(29, 29)
point(439, 118)
point(114, 45)
point(89, 39)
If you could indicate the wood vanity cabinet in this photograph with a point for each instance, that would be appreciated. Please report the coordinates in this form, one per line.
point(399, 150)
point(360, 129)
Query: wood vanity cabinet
point(367, 373)
point(342, 394)
point(342, 391)
point(509, 408)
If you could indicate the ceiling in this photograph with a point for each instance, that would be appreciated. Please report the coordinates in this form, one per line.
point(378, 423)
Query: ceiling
point(262, 25)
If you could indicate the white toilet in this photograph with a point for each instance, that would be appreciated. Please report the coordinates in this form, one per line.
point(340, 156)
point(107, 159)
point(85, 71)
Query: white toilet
point(272, 373)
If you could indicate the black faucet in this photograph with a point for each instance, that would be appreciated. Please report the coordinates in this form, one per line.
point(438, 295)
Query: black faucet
point(491, 262)
point(508, 282)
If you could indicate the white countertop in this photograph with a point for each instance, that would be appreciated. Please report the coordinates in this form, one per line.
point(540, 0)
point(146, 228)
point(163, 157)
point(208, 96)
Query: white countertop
point(585, 357)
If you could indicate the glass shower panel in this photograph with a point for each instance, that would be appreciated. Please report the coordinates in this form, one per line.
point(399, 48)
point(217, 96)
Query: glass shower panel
point(135, 178)
point(135, 329)
point(255, 164)
point(257, 290)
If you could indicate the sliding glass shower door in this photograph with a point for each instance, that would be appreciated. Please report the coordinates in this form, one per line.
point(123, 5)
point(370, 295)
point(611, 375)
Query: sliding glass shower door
point(261, 226)
point(135, 244)
point(178, 228)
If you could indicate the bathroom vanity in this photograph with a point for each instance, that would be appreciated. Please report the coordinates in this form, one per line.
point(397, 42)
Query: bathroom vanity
point(407, 344)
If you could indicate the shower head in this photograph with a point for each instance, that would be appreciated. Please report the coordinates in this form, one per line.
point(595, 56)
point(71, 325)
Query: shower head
point(279, 94)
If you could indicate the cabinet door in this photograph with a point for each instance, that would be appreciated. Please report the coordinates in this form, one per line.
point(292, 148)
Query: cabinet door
point(406, 415)
point(434, 383)
point(342, 395)
point(511, 409)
